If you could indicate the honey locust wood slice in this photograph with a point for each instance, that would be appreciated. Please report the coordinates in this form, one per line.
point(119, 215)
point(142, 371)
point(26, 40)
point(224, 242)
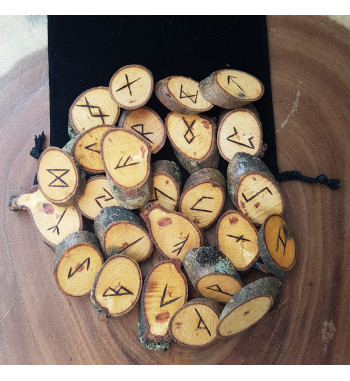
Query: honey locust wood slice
point(195, 323)
point(164, 292)
point(181, 95)
point(231, 89)
point(203, 197)
point(239, 131)
point(147, 123)
point(236, 237)
point(86, 149)
point(77, 259)
point(60, 178)
point(277, 246)
point(212, 273)
point(248, 306)
point(127, 158)
point(94, 107)
point(131, 86)
point(193, 138)
point(121, 231)
point(53, 222)
point(172, 233)
point(97, 195)
point(117, 287)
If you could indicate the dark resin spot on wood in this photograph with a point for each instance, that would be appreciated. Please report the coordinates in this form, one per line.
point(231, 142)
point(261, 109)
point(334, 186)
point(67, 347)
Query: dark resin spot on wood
point(165, 221)
point(257, 205)
point(163, 316)
point(206, 124)
point(48, 208)
point(233, 220)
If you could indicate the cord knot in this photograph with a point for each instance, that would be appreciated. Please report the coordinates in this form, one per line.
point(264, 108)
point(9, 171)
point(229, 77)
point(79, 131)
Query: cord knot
point(322, 179)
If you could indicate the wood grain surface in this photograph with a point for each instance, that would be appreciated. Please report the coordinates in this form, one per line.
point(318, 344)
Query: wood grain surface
point(308, 325)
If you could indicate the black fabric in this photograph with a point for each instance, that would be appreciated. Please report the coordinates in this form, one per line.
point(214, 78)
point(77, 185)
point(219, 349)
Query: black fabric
point(85, 51)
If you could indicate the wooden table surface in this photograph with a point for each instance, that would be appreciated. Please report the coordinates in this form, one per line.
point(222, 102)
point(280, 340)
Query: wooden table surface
point(309, 324)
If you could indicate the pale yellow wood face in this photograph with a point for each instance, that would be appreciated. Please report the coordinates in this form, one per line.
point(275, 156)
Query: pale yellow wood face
point(93, 108)
point(191, 134)
point(240, 131)
point(237, 239)
point(118, 285)
point(239, 84)
point(218, 287)
point(245, 316)
point(77, 269)
point(164, 192)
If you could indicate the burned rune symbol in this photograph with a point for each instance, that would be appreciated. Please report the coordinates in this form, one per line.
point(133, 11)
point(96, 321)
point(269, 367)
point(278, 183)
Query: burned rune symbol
point(201, 321)
point(284, 243)
point(125, 163)
point(55, 227)
point(62, 183)
point(229, 138)
point(202, 210)
point(181, 245)
point(79, 267)
point(162, 304)
point(142, 132)
point(192, 97)
point(118, 292)
point(217, 288)
point(126, 247)
point(156, 191)
point(189, 131)
point(256, 194)
point(91, 149)
point(128, 84)
point(231, 78)
point(240, 238)
point(91, 107)
point(104, 196)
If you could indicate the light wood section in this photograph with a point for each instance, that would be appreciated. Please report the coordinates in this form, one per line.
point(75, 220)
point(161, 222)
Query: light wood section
point(219, 287)
point(131, 86)
point(239, 131)
point(92, 108)
point(237, 238)
point(117, 286)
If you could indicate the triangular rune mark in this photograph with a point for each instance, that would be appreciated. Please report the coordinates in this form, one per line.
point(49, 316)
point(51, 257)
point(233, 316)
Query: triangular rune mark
point(192, 97)
point(156, 191)
point(91, 149)
point(62, 183)
point(120, 292)
point(201, 324)
point(162, 304)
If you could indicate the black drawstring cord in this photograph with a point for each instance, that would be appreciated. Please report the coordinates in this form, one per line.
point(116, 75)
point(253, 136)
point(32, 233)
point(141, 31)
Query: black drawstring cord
point(297, 175)
point(37, 150)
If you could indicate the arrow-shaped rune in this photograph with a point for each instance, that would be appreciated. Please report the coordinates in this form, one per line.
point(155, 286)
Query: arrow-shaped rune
point(162, 304)
point(251, 145)
point(231, 78)
point(91, 149)
point(80, 266)
point(55, 227)
point(104, 197)
point(119, 292)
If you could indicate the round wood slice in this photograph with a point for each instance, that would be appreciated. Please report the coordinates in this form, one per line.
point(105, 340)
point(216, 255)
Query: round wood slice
point(181, 95)
point(121, 231)
point(195, 323)
point(86, 149)
point(239, 131)
point(131, 86)
point(164, 292)
point(147, 123)
point(77, 259)
point(193, 138)
point(53, 222)
point(97, 195)
point(277, 246)
point(117, 287)
point(212, 273)
point(248, 306)
point(172, 233)
point(92, 108)
point(231, 89)
point(203, 197)
point(60, 178)
point(127, 158)
point(236, 237)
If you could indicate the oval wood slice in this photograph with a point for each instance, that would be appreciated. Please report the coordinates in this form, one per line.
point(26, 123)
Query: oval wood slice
point(212, 273)
point(248, 306)
point(181, 95)
point(164, 292)
point(86, 149)
point(237, 238)
point(94, 107)
point(239, 131)
point(127, 158)
point(172, 233)
point(231, 89)
point(277, 246)
point(195, 323)
point(131, 86)
point(193, 138)
point(121, 231)
point(53, 222)
point(60, 178)
point(77, 259)
point(203, 197)
point(97, 195)
point(117, 287)
point(147, 123)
